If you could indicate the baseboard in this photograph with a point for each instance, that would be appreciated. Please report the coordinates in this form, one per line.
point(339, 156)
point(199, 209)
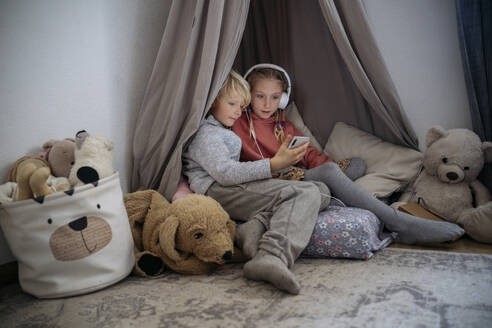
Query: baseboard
point(8, 273)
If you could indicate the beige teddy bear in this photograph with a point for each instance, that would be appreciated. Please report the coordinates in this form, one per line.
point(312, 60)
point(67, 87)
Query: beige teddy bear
point(193, 235)
point(448, 184)
point(60, 155)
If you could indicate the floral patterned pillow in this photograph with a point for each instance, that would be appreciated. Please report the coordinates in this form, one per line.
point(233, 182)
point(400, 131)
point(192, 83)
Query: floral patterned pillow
point(347, 232)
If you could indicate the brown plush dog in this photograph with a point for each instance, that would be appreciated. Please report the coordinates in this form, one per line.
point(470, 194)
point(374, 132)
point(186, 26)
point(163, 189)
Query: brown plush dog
point(193, 235)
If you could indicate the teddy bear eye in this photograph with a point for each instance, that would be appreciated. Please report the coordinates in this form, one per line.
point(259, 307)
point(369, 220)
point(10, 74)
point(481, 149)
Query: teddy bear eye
point(50, 221)
point(466, 168)
point(72, 163)
point(444, 160)
point(198, 235)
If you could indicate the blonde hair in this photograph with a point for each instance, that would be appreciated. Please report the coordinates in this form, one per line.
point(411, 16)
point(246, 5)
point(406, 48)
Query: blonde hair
point(267, 73)
point(235, 84)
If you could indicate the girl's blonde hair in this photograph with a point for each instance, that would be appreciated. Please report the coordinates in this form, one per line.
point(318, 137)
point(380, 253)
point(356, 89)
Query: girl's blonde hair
point(235, 84)
point(266, 73)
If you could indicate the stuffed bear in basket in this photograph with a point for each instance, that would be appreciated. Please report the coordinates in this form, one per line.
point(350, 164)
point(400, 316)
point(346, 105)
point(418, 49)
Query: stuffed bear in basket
point(192, 235)
point(93, 159)
point(448, 184)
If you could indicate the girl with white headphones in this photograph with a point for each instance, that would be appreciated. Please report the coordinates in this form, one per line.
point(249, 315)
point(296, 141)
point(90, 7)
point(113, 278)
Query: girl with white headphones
point(263, 129)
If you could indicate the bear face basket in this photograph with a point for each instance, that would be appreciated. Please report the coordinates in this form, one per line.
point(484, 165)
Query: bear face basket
point(71, 242)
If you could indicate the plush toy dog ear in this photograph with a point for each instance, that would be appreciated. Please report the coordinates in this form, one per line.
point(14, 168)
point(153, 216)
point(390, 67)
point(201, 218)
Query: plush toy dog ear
point(435, 133)
point(167, 238)
point(487, 151)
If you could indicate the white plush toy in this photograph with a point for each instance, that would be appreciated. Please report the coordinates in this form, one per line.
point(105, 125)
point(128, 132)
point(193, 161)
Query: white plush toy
point(93, 159)
point(7, 192)
point(448, 183)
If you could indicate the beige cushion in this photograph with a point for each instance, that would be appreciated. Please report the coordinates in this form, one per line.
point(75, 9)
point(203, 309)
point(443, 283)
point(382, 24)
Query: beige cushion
point(389, 167)
point(292, 114)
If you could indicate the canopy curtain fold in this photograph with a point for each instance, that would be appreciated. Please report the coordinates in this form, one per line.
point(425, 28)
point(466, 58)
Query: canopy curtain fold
point(197, 51)
point(352, 34)
point(475, 35)
point(266, 36)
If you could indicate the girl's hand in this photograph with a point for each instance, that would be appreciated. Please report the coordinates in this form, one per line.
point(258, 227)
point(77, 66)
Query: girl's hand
point(286, 157)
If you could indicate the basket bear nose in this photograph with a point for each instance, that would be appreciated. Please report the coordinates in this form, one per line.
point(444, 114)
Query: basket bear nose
point(79, 224)
point(452, 175)
point(227, 255)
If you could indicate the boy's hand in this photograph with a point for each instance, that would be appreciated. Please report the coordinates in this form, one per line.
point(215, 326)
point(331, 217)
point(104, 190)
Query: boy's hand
point(286, 157)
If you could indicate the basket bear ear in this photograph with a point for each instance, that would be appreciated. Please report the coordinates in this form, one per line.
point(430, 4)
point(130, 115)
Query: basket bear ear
point(435, 133)
point(487, 151)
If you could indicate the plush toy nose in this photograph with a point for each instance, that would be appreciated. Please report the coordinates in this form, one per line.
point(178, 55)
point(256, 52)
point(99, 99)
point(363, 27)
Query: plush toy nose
point(79, 224)
point(227, 255)
point(87, 174)
point(452, 175)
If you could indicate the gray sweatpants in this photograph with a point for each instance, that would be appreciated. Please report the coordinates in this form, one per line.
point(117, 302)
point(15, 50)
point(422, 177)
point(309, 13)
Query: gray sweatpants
point(288, 209)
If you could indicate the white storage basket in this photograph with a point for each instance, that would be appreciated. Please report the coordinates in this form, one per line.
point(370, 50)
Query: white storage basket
point(70, 242)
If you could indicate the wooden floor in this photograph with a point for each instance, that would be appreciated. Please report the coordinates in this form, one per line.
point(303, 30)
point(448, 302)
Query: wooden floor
point(464, 245)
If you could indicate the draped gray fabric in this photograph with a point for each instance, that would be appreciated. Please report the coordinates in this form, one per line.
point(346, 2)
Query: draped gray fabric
point(296, 37)
point(475, 35)
point(349, 27)
point(336, 69)
point(197, 51)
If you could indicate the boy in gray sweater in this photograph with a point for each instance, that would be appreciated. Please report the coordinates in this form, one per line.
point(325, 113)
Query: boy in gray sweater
point(287, 210)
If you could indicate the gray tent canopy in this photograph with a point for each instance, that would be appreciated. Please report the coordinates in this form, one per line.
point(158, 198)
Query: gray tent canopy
point(326, 46)
point(330, 75)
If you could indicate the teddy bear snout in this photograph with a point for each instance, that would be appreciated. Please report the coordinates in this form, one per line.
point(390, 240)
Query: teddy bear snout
point(450, 174)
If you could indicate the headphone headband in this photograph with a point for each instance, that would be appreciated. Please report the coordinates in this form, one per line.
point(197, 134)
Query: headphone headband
point(278, 68)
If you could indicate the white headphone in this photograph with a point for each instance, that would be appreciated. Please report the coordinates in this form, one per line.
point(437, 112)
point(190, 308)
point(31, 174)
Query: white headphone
point(284, 98)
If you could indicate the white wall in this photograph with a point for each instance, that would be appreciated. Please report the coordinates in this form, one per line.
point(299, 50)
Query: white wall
point(419, 42)
point(68, 65)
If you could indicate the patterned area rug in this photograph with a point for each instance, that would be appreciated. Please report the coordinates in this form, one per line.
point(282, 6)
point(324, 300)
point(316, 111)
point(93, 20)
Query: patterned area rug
point(395, 288)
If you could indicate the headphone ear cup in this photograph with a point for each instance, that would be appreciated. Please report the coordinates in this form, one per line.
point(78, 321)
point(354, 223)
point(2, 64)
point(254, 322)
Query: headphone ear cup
point(284, 100)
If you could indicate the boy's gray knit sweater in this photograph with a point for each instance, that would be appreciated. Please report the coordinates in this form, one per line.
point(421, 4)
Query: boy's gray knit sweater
point(213, 155)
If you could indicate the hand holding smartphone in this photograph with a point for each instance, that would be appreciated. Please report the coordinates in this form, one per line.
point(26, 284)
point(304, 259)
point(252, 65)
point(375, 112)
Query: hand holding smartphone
point(298, 141)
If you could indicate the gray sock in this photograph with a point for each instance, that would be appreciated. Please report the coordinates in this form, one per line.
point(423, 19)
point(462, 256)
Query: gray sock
point(248, 236)
point(355, 169)
point(410, 229)
point(267, 267)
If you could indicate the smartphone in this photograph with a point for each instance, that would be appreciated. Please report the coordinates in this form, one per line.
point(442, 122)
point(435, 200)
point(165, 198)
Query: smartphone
point(298, 141)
